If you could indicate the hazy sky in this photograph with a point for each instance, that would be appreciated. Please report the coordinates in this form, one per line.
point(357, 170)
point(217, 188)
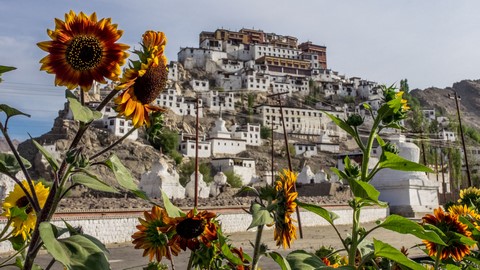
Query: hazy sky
point(429, 42)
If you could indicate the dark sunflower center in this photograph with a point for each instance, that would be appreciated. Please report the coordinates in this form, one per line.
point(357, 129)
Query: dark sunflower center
point(148, 87)
point(190, 228)
point(23, 202)
point(84, 53)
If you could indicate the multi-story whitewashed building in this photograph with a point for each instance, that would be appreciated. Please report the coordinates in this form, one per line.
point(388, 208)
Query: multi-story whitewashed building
point(222, 142)
point(119, 127)
point(219, 101)
point(248, 132)
point(188, 143)
point(447, 135)
point(298, 119)
point(305, 149)
point(178, 104)
point(200, 85)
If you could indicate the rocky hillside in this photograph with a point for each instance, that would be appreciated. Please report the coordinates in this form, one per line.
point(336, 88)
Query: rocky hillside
point(136, 155)
point(4, 145)
point(469, 92)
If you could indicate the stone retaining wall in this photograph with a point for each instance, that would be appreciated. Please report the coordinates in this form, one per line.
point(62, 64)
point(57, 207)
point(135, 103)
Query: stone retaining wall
point(112, 230)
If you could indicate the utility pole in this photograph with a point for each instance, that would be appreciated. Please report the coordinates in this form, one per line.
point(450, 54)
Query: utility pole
point(463, 139)
point(288, 154)
point(196, 156)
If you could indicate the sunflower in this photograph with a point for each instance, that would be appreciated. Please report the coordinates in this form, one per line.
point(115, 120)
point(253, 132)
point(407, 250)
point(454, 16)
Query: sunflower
point(144, 80)
point(465, 211)
point(23, 225)
point(449, 224)
point(83, 50)
point(403, 101)
point(470, 196)
point(285, 231)
point(153, 235)
point(193, 229)
point(327, 262)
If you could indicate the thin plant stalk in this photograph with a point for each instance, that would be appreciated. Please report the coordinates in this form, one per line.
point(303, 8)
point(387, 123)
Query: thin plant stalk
point(33, 200)
point(113, 144)
point(256, 248)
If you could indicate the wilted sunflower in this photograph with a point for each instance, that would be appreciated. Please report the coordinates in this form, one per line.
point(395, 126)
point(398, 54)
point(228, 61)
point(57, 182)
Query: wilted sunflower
point(83, 50)
point(285, 232)
point(144, 80)
point(153, 235)
point(23, 225)
point(243, 257)
point(449, 224)
point(193, 229)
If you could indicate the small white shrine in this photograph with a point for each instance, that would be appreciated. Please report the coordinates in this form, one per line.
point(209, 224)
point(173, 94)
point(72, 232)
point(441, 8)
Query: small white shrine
point(410, 194)
point(158, 178)
point(219, 183)
point(203, 188)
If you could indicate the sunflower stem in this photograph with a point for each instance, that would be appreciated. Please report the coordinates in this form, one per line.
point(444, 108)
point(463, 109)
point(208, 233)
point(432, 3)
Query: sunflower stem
point(169, 252)
point(256, 247)
point(352, 252)
point(32, 198)
point(34, 246)
point(106, 100)
point(113, 144)
point(438, 257)
point(190, 261)
point(82, 97)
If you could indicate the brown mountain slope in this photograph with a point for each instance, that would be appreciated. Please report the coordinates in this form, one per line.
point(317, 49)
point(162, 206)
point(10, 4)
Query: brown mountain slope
point(469, 103)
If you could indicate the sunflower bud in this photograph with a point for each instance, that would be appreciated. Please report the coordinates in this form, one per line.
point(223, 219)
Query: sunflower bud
point(354, 120)
point(391, 148)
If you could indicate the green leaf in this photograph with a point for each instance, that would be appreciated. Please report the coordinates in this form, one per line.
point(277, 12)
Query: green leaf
point(51, 160)
point(17, 242)
point(18, 212)
point(342, 124)
point(302, 260)
point(248, 189)
point(403, 225)
point(387, 251)
point(10, 166)
point(94, 240)
point(92, 182)
point(324, 213)
point(4, 69)
point(260, 216)
point(450, 266)
point(9, 111)
point(75, 252)
point(279, 259)
point(171, 209)
point(81, 113)
point(360, 189)
point(396, 162)
point(229, 255)
point(123, 176)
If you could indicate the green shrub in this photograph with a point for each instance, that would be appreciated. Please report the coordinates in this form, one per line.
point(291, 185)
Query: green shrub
point(233, 179)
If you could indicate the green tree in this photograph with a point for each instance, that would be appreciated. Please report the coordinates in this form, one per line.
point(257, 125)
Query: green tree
point(265, 132)
point(188, 168)
point(233, 179)
point(404, 86)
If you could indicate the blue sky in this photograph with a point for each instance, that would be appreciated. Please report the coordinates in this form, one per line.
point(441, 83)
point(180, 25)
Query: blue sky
point(429, 42)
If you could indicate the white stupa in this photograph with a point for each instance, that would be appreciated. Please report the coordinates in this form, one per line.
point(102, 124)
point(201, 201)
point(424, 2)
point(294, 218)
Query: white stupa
point(409, 194)
point(159, 178)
